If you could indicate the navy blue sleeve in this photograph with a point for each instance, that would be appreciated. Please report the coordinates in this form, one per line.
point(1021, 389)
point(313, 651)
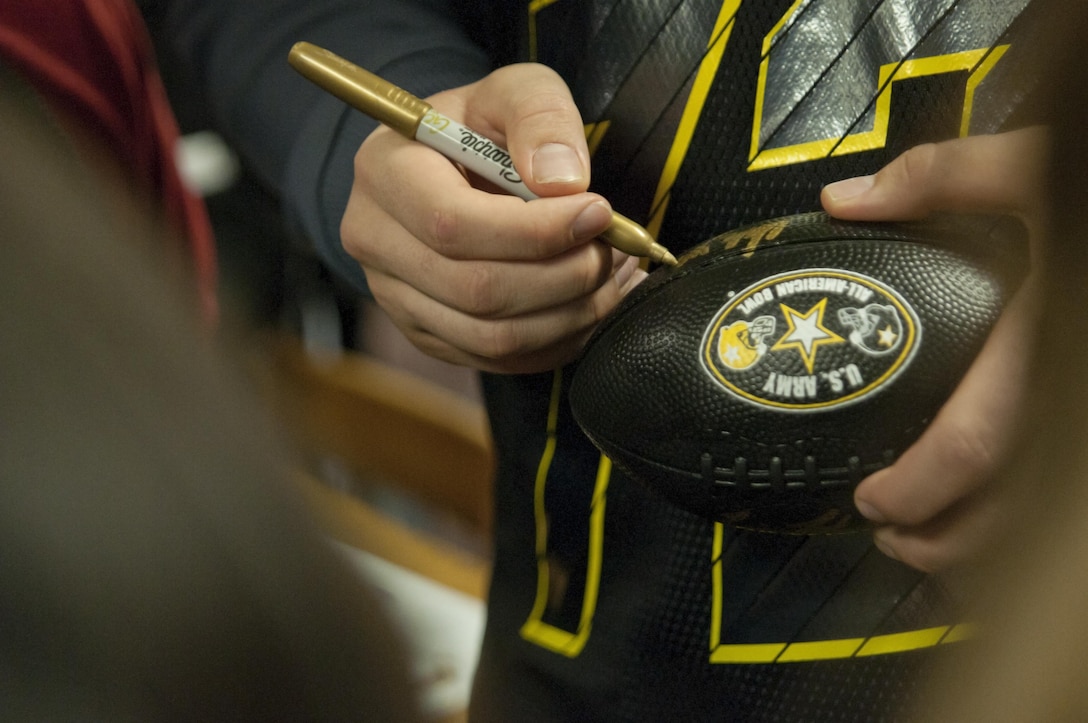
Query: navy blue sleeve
point(298, 140)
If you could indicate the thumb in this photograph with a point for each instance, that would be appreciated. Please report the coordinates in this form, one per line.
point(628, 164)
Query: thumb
point(531, 106)
point(993, 173)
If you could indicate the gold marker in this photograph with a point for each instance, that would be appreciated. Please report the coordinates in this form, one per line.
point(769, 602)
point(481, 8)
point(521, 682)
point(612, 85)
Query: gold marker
point(417, 120)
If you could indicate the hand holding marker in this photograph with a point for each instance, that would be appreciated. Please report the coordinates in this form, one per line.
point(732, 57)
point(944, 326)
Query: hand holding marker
point(417, 120)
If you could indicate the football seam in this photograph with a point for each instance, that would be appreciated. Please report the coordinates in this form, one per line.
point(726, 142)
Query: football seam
point(776, 477)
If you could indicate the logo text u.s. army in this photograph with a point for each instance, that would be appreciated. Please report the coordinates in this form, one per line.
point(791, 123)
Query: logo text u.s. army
point(809, 340)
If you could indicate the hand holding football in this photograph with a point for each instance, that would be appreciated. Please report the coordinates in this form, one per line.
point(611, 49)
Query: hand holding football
point(760, 380)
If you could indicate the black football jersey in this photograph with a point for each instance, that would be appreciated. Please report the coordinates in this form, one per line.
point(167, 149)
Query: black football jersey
point(609, 603)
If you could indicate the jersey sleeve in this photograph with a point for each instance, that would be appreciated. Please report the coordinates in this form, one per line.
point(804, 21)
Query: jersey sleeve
point(299, 141)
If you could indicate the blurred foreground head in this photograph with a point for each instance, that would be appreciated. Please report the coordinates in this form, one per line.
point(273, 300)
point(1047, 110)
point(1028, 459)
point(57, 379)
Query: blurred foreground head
point(1028, 663)
point(154, 564)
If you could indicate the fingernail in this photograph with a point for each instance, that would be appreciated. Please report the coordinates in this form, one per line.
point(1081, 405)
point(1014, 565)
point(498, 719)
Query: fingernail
point(869, 512)
point(556, 163)
point(593, 219)
point(849, 188)
point(885, 548)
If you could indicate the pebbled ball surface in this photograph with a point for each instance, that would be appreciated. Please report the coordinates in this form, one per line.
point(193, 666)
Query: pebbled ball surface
point(776, 366)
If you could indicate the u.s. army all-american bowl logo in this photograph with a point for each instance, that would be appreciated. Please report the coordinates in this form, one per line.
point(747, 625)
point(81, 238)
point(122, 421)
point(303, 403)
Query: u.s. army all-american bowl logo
point(810, 340)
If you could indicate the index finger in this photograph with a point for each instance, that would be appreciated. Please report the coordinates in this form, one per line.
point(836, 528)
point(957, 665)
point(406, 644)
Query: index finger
point(428, 195)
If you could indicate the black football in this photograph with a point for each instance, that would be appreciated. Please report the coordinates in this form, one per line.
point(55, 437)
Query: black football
point(758, 381)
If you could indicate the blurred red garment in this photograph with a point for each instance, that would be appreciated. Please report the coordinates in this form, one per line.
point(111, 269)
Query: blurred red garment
point(93, 63)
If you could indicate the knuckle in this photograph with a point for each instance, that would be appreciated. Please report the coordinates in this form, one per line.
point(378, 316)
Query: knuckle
point(546, 108)
point(920, 165)
point(363, 167)
point(482, 295)
point(503, 340)
point(352, 239)
point(359, 162)
point(969, 450)
point(443, 230)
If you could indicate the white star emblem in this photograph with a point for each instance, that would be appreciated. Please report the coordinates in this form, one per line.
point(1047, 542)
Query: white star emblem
point(732, 355)
point(806, 333)
point(886, 337)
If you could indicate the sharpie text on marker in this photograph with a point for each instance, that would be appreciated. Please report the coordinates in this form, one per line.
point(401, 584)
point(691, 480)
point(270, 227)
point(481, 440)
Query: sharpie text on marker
point(454, 141)
point(415, 119)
